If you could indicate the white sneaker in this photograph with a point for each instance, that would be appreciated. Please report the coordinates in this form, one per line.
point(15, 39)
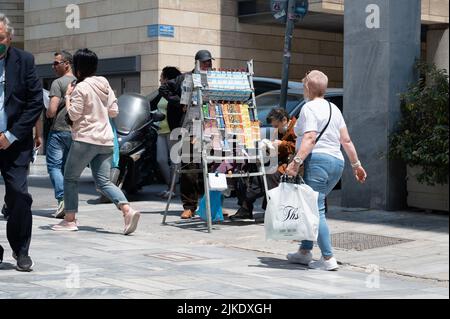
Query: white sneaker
point(323, 264)
point(60, 211)
point(300, 258)
point(65, 226)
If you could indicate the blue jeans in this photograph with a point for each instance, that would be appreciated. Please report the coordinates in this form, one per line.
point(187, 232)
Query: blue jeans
point(100, 159)
point(58, 147)
point(322, 173)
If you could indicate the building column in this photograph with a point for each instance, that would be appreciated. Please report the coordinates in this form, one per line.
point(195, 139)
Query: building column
point(438, 47)
point(381, 45)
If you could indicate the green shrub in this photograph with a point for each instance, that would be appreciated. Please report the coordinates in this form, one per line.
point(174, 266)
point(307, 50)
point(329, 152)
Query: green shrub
point(423, 132)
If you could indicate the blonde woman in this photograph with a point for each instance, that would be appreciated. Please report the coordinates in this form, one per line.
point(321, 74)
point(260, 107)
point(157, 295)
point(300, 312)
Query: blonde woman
point(321, 130)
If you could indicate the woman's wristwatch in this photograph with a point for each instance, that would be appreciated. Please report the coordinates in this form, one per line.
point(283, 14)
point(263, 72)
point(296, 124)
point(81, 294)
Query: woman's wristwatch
point(298, 160)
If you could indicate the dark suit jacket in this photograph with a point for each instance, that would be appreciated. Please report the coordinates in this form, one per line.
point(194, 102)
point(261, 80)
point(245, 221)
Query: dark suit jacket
point(23, 104)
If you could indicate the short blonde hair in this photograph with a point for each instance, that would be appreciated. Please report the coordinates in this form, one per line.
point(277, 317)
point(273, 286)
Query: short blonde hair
point(315, 84)
point(7, 23)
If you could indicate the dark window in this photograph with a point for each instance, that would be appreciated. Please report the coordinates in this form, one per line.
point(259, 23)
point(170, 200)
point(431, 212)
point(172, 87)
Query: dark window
point(267, 102)
point(337, 100)
point(263, 87)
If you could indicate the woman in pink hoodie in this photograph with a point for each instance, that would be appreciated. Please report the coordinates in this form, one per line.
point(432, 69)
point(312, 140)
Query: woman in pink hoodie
point(90, 103)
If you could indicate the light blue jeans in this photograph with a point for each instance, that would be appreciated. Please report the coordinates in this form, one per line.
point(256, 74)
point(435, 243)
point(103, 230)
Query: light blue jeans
point(100, 159)
point(58, 146)
point(322, 173)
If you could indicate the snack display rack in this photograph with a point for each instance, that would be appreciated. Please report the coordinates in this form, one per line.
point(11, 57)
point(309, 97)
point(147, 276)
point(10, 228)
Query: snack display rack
point(224, 102)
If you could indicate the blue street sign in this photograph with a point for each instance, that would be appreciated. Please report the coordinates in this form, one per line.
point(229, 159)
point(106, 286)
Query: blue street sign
point(161, 30)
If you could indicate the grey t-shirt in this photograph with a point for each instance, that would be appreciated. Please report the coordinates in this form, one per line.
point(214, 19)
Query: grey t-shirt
point(59, 89)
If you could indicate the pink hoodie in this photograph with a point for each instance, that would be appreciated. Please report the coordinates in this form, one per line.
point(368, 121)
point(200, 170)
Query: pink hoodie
point(92, 103)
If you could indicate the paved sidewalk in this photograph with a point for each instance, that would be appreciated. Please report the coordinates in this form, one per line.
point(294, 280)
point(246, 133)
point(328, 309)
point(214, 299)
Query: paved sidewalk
point(181, 260)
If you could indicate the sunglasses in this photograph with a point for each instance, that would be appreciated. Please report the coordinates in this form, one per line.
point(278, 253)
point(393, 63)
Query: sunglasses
point(56, 63)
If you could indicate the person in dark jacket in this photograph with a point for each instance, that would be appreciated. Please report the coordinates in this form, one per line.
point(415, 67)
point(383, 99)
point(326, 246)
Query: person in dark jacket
point(191, 184)
point(21, 104)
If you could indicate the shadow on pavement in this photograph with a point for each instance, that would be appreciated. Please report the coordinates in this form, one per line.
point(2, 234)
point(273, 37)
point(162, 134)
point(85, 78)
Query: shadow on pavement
point(7, 266)
point(82, 229)
point(45, 213)
point(276, 263)
point(196, 224)
point(176, 213)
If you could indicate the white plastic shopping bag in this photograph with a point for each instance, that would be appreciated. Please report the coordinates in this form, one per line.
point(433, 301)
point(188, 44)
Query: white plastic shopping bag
point(292, 213)
point(217, 182)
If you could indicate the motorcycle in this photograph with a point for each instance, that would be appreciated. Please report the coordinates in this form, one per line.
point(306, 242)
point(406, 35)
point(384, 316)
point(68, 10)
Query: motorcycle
point(137, 132)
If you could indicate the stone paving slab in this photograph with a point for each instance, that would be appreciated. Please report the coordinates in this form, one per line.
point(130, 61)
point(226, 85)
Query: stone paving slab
point(112, 265)
point(234, 261)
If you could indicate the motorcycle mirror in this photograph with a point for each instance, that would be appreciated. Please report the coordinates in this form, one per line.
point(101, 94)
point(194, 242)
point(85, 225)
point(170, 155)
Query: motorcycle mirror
point(158, 117)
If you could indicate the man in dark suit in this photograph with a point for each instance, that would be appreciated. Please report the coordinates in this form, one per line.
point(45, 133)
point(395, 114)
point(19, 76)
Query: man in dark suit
point(21, 103)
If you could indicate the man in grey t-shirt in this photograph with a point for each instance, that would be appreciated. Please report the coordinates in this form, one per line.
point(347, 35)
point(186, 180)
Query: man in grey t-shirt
point(59, 138)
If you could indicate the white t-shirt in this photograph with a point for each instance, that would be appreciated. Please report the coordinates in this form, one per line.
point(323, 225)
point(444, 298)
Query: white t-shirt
point(313, 118)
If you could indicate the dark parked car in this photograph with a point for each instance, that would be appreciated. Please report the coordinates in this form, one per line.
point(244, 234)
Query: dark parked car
point(263, 85)
point(295, 101)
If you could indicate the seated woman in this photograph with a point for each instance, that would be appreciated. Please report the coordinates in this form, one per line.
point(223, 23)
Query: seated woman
point(284, 141)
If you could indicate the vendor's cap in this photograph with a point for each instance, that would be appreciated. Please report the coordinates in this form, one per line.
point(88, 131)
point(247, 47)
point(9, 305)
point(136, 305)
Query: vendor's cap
point(203, 55)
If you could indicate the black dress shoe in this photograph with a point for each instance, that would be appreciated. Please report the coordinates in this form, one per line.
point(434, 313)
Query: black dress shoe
point(24, 263)
point(242, 213)
point(1, 253)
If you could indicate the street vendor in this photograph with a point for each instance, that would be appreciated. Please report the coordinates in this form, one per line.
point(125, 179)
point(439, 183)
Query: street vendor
point(191, 184)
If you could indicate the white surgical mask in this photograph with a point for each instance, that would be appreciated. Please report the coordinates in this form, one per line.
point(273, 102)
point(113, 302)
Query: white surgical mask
point(284, 129)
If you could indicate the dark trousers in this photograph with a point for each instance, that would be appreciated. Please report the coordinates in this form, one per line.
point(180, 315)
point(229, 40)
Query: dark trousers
point(253, 189)
point(191, 186)
point(18, 201)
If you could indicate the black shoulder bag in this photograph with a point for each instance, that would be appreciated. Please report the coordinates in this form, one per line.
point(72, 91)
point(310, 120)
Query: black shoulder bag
point(326, 126)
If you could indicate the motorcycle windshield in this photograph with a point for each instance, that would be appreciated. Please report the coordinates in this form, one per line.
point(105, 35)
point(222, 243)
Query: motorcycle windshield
point(134, 112)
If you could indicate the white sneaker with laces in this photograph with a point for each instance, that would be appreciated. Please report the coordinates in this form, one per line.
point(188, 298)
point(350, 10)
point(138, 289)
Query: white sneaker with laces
point(323, 264)
point(300, 258)
point(60, 210)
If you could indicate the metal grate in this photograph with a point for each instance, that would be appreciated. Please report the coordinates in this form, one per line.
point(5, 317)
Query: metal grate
point(359, 241)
